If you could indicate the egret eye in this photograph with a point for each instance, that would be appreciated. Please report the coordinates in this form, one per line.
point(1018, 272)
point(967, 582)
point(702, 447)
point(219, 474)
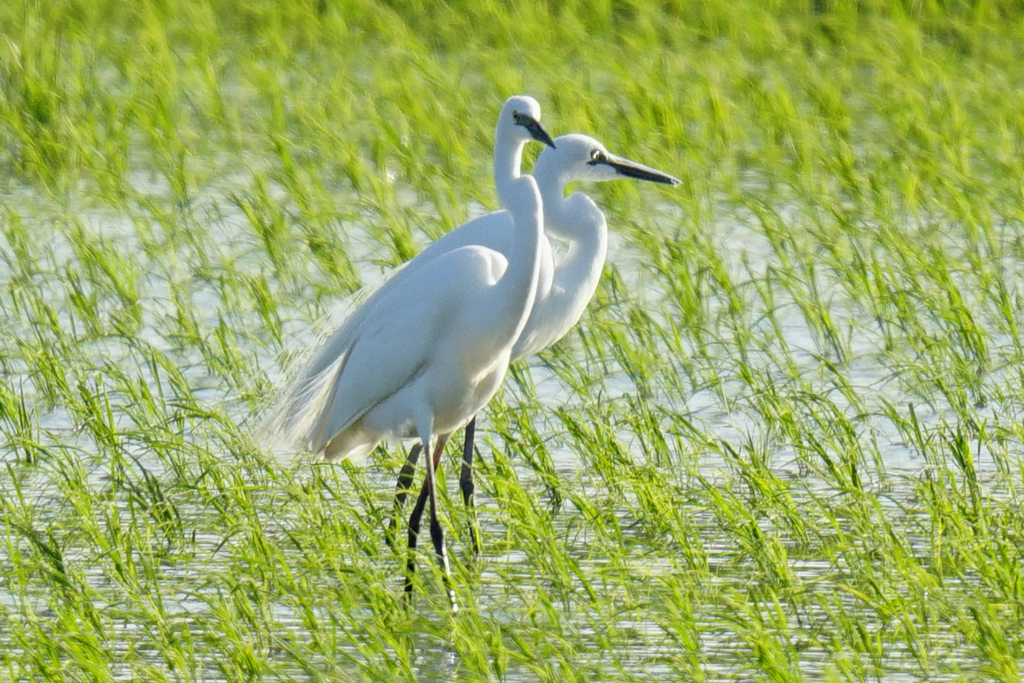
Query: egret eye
point(517, 117)
point(596, 157)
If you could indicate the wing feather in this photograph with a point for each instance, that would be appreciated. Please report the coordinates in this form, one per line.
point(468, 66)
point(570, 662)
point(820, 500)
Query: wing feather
point(379, 348)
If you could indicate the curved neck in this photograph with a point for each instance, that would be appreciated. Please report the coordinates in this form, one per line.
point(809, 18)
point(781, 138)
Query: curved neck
point(552, 181)
point(578, 272)
point(515, 292)
point(577, 220)
point(583, 262)
point(508, 158)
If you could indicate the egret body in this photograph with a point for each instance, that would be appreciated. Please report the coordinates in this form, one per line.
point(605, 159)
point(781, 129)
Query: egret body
point(421, 355)
point(433, 352)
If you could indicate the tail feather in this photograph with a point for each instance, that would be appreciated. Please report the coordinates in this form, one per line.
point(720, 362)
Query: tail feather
point(304, 398)
point(301, 408)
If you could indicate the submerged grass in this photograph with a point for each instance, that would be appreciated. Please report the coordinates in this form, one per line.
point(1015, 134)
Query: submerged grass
point(785, 442)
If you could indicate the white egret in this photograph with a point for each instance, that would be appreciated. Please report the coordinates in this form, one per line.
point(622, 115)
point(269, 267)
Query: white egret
point(433, 351)
point(579, 222)
point(299, 417)
point(424, 352)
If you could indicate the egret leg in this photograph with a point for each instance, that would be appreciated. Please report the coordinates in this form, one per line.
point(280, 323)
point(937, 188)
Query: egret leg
point(466, 483)
point(429, 494)
point(421, 501)
point(414, 532)
point(402, 490)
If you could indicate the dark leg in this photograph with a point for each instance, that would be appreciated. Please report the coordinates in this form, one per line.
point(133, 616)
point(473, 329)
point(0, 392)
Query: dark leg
point(437, 536)
point(414, 532)
point(402, 490)
point(466, 483)
point(429, 494)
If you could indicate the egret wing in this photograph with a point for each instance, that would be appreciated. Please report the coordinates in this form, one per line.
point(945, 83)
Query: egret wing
point(316, 359)
point(492, 230)
point(402, 337)
point(311, 386)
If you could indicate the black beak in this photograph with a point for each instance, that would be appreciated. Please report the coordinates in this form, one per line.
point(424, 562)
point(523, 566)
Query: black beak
point(632, 169)
point(538, 132)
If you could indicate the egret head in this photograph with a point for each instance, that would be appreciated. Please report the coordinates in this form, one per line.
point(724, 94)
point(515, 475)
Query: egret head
point(580, 157)
point(520, 119)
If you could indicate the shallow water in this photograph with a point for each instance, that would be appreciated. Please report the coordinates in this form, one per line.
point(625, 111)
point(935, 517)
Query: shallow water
point(627, 633)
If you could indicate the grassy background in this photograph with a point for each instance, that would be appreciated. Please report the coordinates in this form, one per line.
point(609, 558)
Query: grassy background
point(784, 443)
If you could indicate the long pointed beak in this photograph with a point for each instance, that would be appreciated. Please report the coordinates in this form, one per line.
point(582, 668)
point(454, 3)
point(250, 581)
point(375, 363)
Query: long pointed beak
point(633, 169)
point(538, 132)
